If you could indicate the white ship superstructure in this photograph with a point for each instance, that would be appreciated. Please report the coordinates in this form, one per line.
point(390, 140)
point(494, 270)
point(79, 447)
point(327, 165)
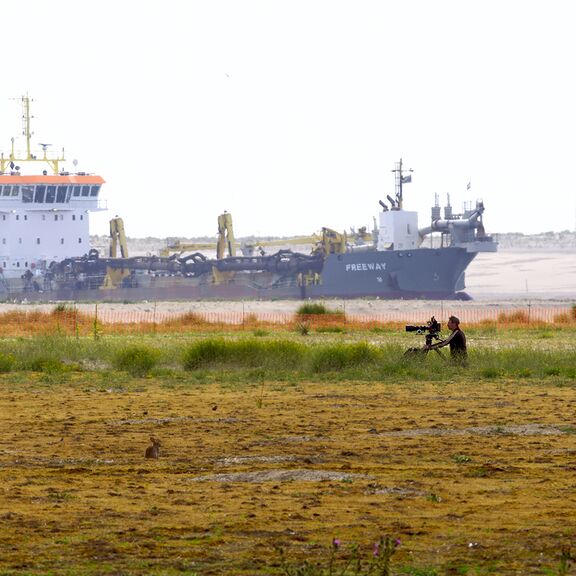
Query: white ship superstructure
point(43, 218)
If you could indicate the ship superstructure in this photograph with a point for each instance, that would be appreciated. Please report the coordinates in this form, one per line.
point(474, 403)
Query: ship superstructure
point(44, 217)
point(45, 252)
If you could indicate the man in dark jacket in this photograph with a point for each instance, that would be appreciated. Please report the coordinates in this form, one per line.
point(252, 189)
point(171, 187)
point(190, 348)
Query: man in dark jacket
point(456, 341)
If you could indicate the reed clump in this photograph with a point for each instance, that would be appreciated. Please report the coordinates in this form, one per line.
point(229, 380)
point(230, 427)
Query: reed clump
point(249, 353)
point(7, 362)
point(337, 357)
point(137, 360)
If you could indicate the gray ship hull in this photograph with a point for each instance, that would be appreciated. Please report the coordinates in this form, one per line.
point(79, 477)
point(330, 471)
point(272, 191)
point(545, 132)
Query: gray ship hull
point(419, 273)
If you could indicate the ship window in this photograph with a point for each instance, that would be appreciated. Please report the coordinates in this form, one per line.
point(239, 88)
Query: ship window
point(37, 240)
point(61, 193)
point(27, 193)
point(39, 196)
point(17, 264)
point(3, 216)
point(19, 240)
point(76, 190)
point(15, 190)
point(73, 216)
point(6, 190)
point(55, 216)
point(61, 240)
point(85, 190)
point(17, 217)
point(25, 217)
point(50, 194)
point(94, 190)
point(61, 216)
point(79, 240)
point(69, 193)
point(3, 240)
point(4, 264)
point(81, 216)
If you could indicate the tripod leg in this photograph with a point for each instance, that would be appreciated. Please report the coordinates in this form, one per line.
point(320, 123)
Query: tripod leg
point(440, 354)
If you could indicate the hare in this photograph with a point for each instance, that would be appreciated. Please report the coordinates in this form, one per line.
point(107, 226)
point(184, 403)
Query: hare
point(154, 450)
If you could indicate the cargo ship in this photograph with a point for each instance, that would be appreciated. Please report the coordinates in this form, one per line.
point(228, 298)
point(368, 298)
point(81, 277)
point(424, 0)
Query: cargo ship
point(45, 251)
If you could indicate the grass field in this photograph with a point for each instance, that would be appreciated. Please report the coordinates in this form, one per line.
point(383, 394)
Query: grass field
point(287, 440)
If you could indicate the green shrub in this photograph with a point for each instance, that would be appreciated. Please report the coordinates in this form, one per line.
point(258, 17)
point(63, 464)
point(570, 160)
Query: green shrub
point(317, 309)
point(46, 364)
point(336, 357)
point(205, 353)
point(136, 360)
point(312, 308)
point(7, 362)
point(249, 353)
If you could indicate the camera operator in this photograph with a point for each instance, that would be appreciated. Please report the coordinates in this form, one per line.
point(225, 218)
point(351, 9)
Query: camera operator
point(456, 341)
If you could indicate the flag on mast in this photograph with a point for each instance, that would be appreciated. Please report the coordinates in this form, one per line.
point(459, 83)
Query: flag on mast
point(469, 185)
point(407, 179)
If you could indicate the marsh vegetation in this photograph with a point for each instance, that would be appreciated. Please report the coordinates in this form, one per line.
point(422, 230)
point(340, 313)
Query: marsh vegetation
point(274, 439)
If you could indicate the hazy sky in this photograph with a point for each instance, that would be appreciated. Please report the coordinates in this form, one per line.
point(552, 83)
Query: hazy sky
point(291, 114)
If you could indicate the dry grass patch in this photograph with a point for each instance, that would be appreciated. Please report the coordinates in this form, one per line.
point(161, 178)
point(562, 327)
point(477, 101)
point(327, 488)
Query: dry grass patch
point(470, 477)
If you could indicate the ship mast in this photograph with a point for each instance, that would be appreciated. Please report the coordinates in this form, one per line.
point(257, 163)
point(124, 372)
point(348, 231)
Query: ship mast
point(29, 157)
point(400, 180)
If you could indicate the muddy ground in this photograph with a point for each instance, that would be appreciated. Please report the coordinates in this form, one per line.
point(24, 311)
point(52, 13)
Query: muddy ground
point(472, 478)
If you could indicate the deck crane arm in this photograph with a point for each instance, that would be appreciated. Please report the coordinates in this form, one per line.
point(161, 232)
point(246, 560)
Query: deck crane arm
point(118, 237)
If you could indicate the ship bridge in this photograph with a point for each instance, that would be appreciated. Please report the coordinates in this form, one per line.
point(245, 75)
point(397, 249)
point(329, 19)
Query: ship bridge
point(44, 217)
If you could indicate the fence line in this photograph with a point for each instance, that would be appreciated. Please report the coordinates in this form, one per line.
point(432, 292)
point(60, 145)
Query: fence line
point(526, 314)
point(71, 320)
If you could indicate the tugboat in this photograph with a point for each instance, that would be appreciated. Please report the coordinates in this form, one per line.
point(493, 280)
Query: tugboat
point(45, 252)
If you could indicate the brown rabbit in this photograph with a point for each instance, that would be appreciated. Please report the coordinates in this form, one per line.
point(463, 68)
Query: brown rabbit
point(154, 450)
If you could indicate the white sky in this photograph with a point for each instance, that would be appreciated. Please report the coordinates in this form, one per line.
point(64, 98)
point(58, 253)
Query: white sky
point(291, 114)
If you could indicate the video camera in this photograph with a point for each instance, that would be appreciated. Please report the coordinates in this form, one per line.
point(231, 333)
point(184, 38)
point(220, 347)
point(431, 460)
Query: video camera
point(431, 329)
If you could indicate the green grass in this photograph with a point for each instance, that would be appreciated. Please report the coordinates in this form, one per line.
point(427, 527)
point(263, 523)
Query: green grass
point(246, 357)
point(136, 359)
point(315, 308)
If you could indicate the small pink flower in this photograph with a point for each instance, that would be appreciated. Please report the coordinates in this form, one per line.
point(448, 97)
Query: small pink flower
point(336, 543)
point(397, 542)
point(376, 551)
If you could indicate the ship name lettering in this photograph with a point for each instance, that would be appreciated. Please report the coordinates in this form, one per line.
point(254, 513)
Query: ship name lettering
point(365, 266)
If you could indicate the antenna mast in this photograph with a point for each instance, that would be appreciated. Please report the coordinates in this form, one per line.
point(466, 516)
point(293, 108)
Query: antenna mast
point(400, 180)
point(29, 157)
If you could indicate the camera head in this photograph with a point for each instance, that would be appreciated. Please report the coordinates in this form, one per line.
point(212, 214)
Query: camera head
point(432, 327)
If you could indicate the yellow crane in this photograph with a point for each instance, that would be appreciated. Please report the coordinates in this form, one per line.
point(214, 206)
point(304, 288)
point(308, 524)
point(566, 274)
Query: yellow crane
point(225, 236)
point(115, 276)
point(118, 238)
point(328, 242)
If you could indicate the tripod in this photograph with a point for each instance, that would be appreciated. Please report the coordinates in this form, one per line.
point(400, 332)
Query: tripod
point(423, 352)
